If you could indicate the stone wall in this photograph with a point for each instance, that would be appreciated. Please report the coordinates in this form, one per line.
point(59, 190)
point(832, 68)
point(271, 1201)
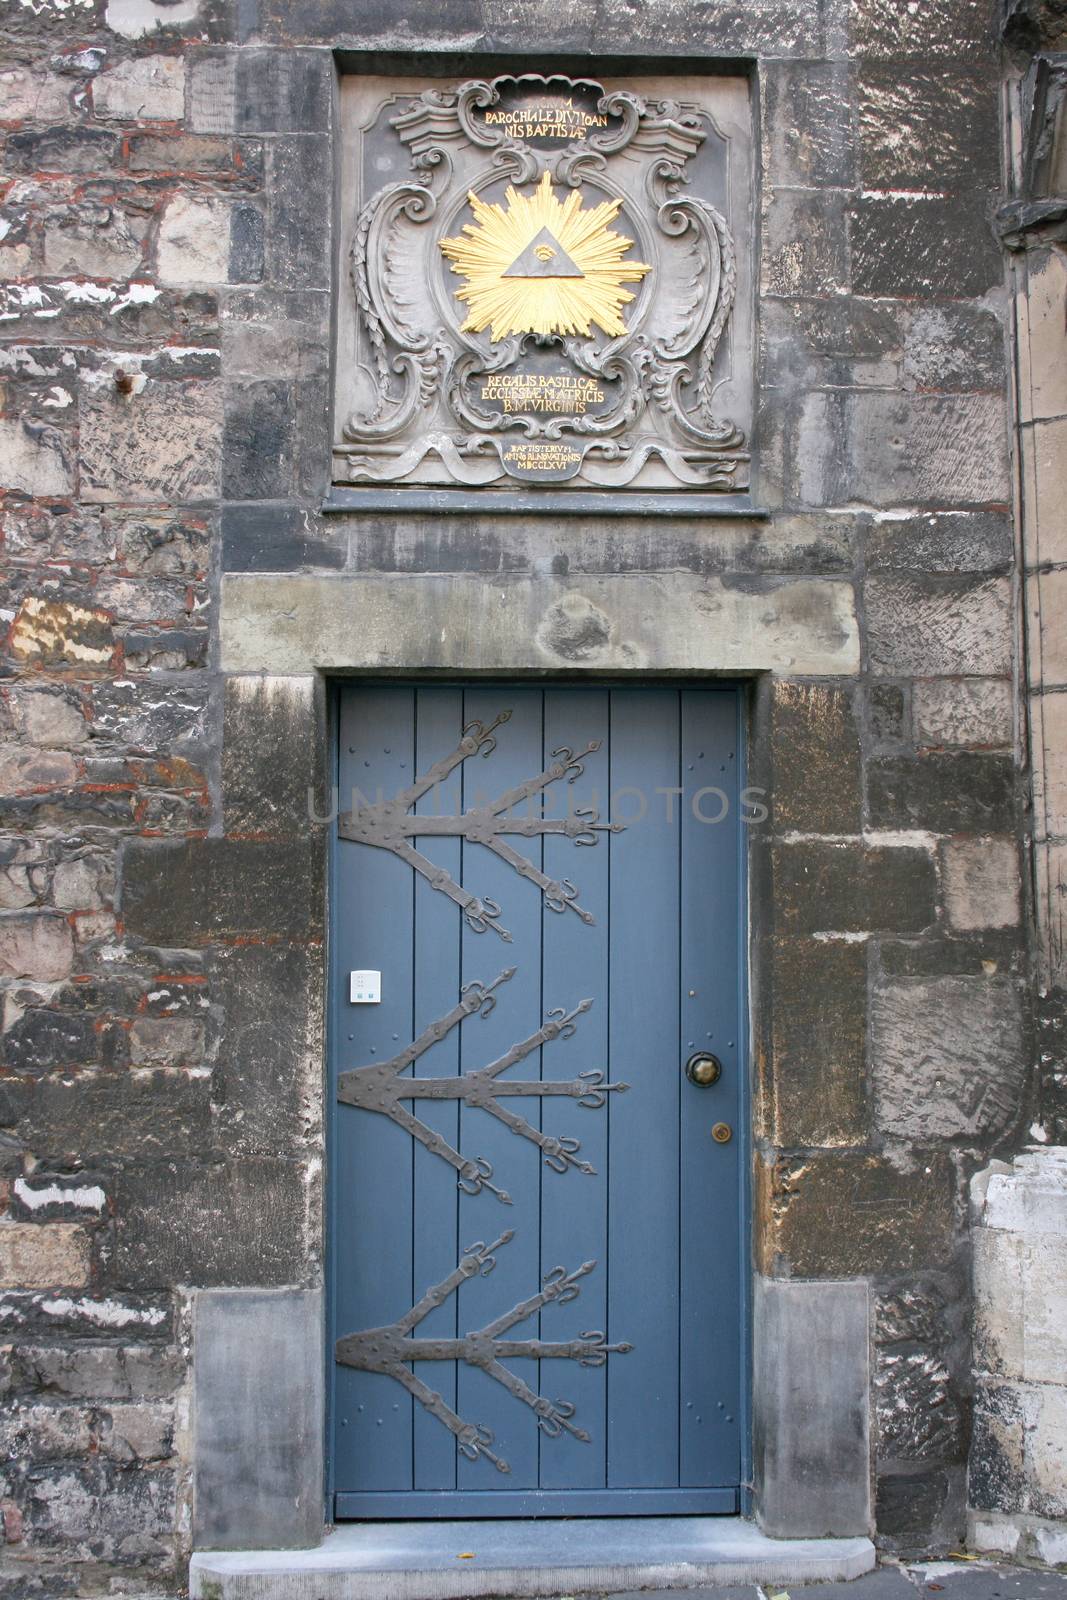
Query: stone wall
point(167, 234)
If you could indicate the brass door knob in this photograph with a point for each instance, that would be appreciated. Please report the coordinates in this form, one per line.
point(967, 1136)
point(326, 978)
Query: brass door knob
point(722, 1133)
point(703, 1069)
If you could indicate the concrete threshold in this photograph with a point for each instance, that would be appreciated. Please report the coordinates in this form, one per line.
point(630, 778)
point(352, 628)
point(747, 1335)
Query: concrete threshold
point(466, 1560)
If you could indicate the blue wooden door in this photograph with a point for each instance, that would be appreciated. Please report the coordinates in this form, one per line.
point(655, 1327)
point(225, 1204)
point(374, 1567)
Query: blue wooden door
point(536, 1252)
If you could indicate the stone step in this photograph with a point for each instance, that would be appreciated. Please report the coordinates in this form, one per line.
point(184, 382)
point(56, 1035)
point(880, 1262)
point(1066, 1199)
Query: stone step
point(466, 1560)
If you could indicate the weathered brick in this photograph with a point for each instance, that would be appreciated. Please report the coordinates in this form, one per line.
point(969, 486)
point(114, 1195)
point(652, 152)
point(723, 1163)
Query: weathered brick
point(816, 762)
point(959, 792)
point(852, 888)
point(948, 1058)
point(43, 1255)
point(817, 1093)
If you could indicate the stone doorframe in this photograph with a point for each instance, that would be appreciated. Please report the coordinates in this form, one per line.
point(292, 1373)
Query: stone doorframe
point(258, 1466)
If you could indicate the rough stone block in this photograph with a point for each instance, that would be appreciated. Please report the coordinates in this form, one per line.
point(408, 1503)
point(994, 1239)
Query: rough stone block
point(166, 1041)
point(1046, 604)
point(300, 189)
point(24, 770)
point(161, 444)
point(963, 711)
point(888, 706)
point(939, 626)
point(38, 1433)
point(242, 1222)
point(194, 241)
point(48, 633)
point(808, 141)
point(816, 759)
point(1042, 368)
point(34, 459)
point(818, 1057)
point(258, 1366)
point(926, 245)
point(271, 755)
point(149, 717)
point(99, 1511)
point(63, 150)
point(947, 1058)
point(101, 1117)
point(845, 1214)
point(1044, 448)
point(35, 945)
point(43, 1255)
point(919, 1418)
point(260, 423)
point(908, 1507)
point(138, 1431)
point(273, 537)
point(97, 241)
point(981, 883)
point(806, 243)
point(212, 91)
point(1018, 1448)
point(191, 153)
point(901, 30)
point(33, 96)
point(927, 128)
point(267, 1074)
point(177, 893)
point(283, 91)
point(104, 1371)
point(148, 88)
point(811, 1448)
point(945, 541)
point(943, 792)
point(852, 888)
point(901, 449)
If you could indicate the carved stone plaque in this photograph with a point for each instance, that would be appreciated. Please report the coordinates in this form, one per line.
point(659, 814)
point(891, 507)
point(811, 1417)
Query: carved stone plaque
point(545, 281)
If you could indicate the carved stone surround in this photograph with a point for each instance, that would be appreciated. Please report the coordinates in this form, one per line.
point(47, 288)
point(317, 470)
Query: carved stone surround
point(545, 280)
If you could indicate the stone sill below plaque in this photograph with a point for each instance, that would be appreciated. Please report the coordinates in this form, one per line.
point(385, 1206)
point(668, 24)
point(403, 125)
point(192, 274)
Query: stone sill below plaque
point(542, 502)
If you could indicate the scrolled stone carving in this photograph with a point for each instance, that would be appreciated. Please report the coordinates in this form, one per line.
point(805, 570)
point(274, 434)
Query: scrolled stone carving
point(548, 289)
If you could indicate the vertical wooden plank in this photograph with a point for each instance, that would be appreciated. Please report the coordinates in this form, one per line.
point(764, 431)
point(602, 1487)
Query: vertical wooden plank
point(373, 1166)
point(516, 1162)
point(439, 727)
point(710, 1377)
point(573, 1203)
point(642, 1388)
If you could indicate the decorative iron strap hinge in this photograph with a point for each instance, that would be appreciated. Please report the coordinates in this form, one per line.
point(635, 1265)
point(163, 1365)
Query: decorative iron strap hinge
point(381, 1087)
point(388, 825)
point(388, 1350)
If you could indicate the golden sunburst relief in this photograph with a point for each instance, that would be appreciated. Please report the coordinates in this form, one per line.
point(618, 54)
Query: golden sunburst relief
point(541, 265)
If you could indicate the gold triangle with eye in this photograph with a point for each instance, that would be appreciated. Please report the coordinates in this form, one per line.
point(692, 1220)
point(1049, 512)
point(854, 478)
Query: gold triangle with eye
point(543, 257)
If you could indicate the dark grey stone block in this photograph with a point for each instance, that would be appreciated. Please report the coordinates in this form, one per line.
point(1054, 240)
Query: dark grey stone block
point(947, 541)
point(272, 536)
point(274, 737)
point(928, 127)
point(809, 133)
point(247, 243)
point(964, 792)
point(812, 1450)
point(283, 91)
point(257, 1419)
point(190, 892)
point(209, 1223)
point(258, 435)
point(301, 205)
point(924, 246)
